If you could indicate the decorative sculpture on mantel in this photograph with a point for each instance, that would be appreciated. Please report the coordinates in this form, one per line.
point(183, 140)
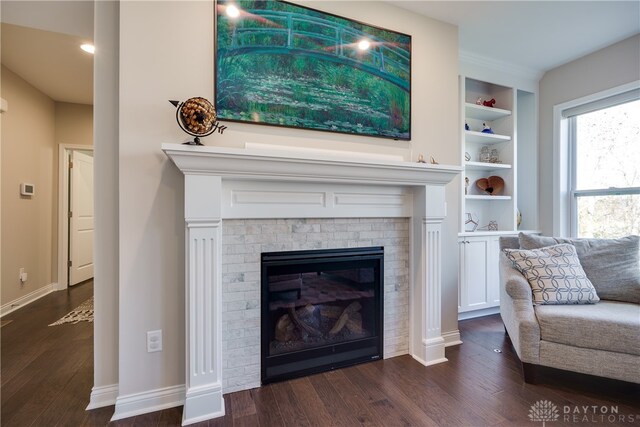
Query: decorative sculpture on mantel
point(197, 117)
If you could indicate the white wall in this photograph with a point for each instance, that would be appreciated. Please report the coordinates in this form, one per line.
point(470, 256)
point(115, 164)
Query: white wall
point(607, 68)
point(166, 52)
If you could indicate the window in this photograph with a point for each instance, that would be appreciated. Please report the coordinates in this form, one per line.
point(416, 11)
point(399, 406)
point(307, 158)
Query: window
point(604, 156)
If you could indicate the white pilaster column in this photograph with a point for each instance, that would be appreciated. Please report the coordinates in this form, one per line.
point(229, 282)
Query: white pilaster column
point(203, 309)
point(427, 344)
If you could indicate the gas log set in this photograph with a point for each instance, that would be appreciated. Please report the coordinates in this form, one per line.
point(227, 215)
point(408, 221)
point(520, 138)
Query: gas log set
point(316, 325)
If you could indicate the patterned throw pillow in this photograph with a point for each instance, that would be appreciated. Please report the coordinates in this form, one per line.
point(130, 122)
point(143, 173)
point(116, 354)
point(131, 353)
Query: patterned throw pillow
point(612, 265)
point(554, 274)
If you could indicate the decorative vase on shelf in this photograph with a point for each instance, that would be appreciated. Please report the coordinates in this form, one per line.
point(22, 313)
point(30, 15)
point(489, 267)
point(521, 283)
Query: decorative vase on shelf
point(493, 157)
point(485, 154)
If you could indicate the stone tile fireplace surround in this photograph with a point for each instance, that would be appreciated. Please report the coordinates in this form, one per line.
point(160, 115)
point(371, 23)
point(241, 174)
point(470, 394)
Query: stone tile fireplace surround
point(244, 240)
point(240, 203)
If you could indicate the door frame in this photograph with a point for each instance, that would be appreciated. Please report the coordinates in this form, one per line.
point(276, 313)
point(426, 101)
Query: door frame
point(63, 202)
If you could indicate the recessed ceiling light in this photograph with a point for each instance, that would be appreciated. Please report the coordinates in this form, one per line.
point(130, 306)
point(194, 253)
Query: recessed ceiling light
point(233, 11)
point(88, 48)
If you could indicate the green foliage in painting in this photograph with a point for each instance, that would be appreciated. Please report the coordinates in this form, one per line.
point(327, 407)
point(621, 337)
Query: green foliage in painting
point(282, 64)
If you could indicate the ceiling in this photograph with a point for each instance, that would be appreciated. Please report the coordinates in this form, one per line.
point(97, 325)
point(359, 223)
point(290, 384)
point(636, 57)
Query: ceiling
point(41, 39)
point(536, 35)
point(52, 62)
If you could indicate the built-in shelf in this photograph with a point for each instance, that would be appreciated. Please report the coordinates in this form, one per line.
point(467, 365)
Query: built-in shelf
point(478, 287)
point(484, 138)
point(480, 112)
point(480, 166)
point(486, 197)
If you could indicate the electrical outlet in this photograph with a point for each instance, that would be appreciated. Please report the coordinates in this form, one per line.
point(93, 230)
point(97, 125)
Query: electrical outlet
point(22, 276)
point(154, 341)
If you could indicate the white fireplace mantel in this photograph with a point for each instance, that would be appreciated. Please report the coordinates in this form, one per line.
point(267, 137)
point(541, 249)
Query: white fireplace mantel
point(266, 164)
point(223, 183)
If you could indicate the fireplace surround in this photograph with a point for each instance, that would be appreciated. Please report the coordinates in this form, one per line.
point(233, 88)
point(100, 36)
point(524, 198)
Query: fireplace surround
point(235, 184)
point(243, 242)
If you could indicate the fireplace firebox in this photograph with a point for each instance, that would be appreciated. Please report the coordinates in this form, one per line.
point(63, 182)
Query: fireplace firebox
point(321, 310)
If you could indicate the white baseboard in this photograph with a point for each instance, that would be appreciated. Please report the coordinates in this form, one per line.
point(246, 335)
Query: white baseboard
point(148, 401)
point(478, 313)
point(102, 396)
point(27, 299)
point(451, 338)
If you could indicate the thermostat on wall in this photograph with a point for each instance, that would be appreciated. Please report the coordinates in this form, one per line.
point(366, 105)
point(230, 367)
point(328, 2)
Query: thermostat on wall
point(27, 189)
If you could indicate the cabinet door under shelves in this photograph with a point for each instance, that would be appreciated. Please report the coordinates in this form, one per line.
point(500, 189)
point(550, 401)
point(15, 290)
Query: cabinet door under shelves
point(478, 282)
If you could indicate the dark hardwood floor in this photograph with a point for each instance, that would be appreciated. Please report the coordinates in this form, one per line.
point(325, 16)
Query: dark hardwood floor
point(47, 375)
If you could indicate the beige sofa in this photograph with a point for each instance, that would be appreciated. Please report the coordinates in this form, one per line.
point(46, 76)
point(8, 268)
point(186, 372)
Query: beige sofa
point(601, 339)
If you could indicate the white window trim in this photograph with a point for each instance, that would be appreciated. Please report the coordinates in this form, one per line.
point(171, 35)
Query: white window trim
point(562, 221)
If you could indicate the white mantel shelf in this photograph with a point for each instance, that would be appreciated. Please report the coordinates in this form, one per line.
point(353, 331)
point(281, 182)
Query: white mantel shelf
point(239, 163)
point(224, 183)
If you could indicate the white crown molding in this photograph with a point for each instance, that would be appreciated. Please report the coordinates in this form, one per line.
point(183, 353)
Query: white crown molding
point(502, 66)
point(12, 306)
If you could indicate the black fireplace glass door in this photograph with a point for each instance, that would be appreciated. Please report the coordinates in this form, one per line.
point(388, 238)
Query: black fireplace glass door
point(314, 307)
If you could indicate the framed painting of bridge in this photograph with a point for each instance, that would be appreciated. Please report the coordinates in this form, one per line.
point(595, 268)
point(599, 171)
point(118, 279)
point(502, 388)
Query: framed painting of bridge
point(281, 64)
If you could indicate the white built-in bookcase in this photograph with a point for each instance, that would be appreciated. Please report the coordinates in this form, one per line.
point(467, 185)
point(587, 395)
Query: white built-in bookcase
point(513, 120)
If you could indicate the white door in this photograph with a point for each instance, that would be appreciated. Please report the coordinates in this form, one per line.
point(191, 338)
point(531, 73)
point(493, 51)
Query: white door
point(81, 221)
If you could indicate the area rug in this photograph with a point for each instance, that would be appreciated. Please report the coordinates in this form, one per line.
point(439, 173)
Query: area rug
point(82, 313)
